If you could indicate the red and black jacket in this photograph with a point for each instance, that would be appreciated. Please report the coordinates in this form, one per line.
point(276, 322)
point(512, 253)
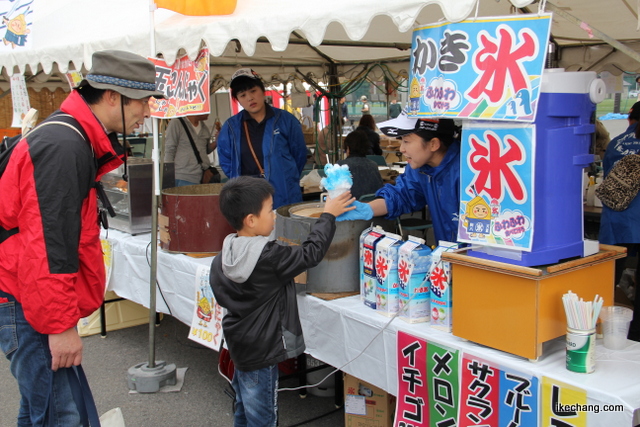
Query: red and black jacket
point(54, 265)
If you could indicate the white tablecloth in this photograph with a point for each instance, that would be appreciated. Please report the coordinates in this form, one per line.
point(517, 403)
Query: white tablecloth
point(337, 331)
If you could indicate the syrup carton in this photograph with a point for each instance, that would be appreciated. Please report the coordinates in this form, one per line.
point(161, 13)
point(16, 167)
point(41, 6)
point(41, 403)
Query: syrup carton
point(387, 274)
point(441, 290)
point(414, 261)
point(361, 259)
point(368, 285)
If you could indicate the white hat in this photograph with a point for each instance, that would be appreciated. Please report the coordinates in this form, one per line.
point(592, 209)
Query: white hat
point(404, 125)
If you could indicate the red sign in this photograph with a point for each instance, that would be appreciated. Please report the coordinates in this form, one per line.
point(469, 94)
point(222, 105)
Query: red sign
point(185, 85)
point(480, 393)
point(412, 408)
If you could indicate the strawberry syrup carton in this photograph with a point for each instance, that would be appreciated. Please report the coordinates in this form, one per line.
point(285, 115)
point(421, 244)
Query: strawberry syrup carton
point(441, 290)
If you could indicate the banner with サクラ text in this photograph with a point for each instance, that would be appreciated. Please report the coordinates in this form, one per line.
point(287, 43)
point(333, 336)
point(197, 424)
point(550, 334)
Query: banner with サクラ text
point(185, 85)
point(497, 177)
point(484, 68)
point(206, 323)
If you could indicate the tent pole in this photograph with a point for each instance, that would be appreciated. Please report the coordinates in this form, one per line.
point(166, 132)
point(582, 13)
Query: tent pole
point(149, 377)
point(597, 33)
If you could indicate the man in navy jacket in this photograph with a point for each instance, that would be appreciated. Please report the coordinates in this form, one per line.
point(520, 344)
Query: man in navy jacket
point(262, 140)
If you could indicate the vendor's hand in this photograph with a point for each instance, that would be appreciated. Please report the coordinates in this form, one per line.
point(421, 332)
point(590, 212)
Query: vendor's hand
point(66, 349)
point(340, 204)
point(362, 211)
point(207, 176)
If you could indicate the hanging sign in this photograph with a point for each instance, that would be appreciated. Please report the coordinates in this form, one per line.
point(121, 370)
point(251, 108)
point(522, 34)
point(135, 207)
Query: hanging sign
point(74, 78)
point(185, 85)
point(485, 68)
point(20, 99)
point(15, 27)
point(206, 323)
point(497, 185)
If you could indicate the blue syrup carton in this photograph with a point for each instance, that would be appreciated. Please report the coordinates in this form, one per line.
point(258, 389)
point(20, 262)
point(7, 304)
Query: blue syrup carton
point(369, 280)
point(414, 261)
point(387, 290)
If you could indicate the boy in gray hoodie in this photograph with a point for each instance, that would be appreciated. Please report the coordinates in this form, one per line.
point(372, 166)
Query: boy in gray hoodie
point(253, 279)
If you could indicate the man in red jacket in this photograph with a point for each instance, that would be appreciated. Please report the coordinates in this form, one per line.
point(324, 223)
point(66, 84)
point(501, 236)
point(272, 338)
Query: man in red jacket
point(51, 268)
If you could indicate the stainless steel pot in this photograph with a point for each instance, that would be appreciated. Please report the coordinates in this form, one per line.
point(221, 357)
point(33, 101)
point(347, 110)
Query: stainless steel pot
point(339, 270)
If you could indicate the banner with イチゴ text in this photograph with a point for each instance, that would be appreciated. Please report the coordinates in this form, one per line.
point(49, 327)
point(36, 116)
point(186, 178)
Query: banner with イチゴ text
point(444, 384)
point(206, 324)
point(185, 85)
point(485, 68)
point(20, 99)
point(497, 177)
point(558, 404)
point(16, 24)
point(412, 404)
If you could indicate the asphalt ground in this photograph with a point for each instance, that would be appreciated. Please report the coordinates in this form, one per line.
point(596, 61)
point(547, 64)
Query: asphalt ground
point(201, 402)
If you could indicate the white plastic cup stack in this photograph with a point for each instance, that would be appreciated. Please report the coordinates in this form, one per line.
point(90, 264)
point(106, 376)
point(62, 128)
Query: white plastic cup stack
point(615, 326)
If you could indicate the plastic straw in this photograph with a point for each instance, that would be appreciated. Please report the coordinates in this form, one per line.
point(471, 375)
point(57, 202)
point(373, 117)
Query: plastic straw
point(581, 314)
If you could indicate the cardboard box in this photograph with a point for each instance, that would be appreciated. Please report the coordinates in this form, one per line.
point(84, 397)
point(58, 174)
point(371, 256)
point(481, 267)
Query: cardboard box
point(119, 315)
point(380, 405)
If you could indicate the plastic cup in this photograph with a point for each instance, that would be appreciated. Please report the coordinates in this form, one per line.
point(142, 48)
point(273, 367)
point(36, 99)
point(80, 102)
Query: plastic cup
point(615, 326)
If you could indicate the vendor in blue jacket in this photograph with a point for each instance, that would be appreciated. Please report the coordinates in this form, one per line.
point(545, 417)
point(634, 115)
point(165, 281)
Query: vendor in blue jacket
point(432, 176)
point(262, 141)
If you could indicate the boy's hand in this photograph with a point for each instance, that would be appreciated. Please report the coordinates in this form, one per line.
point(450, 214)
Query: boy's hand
point(340, 204)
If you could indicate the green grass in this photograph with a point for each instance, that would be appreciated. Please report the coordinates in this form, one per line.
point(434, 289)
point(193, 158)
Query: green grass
point(606, 106)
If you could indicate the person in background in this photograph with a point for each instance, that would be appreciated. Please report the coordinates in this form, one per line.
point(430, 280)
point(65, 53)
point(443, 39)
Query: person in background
point(368, 125)
point(365, 173)
point(394, 109)
point(253, 279)
point(52, 269)
point(602, 139)
point(288, 107)
point(365, 105)
point(178, 149)
point(262, 140)
point(622, 228)
point(344, 112)
point(431, 177)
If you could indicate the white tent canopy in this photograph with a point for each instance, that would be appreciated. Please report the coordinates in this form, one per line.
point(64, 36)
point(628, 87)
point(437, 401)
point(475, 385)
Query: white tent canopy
point(279, 36)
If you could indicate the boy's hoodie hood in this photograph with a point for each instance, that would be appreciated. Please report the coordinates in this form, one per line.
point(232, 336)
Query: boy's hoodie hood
point(240, 255)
